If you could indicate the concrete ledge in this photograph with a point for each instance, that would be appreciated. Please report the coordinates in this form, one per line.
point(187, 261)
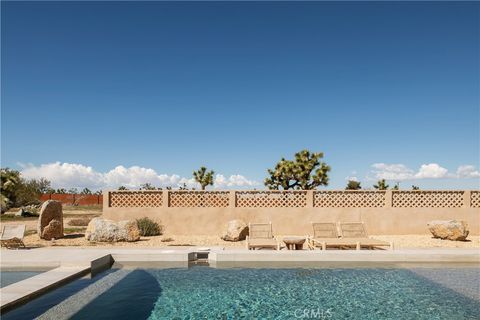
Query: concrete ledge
point(433, 255)
point(27, 289)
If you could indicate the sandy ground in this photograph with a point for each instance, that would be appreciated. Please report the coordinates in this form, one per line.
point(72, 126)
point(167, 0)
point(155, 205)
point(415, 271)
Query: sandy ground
point(75, 237)
point(400, 241)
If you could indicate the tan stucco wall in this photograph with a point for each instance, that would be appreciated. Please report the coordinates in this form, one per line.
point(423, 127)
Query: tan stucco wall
point(297, 221)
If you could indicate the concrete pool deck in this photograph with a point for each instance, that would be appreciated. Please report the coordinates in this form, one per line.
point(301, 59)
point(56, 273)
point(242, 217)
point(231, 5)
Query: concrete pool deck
point(70, 263)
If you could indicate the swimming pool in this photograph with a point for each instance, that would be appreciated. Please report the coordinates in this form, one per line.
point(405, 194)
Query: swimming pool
point(202, 292)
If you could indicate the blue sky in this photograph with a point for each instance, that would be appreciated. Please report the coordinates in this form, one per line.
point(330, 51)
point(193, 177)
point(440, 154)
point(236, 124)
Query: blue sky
point(381, 88)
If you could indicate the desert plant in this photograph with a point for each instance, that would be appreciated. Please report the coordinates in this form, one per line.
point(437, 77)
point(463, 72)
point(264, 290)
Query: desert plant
point(415, 188)
point(147, 186)
point(79, 222)
point(353, 185)
point(149, 228)
point(306, 172)
point(86, 191)
point(381, 185)
point(72, 191)
point(203, 177)
point(17, 191)
point(61, 191)
point(122, 188)
point(9, 183)
point(396, 186)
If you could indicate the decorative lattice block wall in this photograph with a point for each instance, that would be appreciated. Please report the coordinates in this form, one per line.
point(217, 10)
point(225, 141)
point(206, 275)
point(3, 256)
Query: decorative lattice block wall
point(427, 199)
point(135, 199)
point(201, 199)
point(349, 199)
point(271, 199)
point(475, 199)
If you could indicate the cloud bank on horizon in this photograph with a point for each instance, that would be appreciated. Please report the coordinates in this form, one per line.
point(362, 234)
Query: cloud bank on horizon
point(71, 175)
point(400, 172)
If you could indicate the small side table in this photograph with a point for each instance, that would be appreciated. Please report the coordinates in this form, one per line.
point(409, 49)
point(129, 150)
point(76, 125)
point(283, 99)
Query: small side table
point(294, 243)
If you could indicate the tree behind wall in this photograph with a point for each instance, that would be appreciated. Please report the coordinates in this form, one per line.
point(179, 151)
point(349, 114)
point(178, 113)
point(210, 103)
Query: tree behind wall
point(353, 185)
point(17, 191)
point(147, 186)
point(306, 172)
point(381, 185)
point(204, 177)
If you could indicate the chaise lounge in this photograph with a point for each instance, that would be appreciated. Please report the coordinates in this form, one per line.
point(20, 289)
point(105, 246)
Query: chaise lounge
point(323, 233)
point(353, 234)
point(356, 232)
point(260, 236)
point(12, 236)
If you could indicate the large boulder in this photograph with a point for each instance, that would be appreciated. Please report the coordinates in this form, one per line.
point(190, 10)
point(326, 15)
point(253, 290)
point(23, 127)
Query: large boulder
point(237, 230)
point(449, 229)
point(51, 216)
point(103, 230)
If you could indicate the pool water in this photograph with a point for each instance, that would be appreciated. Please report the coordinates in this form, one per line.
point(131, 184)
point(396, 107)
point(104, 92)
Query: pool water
point(240, 293)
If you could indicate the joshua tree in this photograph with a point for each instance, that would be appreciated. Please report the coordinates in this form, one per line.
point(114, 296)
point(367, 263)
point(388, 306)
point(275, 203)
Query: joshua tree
point(353, 185)
point(86, 191)
point(381, 185)
point(147, 186)
point(61, 191)
point(122, 188)
point(73, 191)
point(396, 186)
point(203, 177)
point(9, 183)
point(306, 172)
point(415, 188)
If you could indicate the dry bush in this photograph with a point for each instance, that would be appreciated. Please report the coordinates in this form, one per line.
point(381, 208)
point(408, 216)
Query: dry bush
point(149, 228)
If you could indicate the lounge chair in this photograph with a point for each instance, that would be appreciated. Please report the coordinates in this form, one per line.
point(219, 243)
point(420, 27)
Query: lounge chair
point(322, 233)
point(12, 236)
point(260, 236)
point(355, 232)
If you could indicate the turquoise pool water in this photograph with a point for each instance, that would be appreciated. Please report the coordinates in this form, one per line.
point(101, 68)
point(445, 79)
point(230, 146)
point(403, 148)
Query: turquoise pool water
point(239, 293)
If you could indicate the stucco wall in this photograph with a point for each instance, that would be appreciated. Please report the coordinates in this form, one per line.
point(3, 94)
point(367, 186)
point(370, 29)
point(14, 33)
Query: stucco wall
point(297, 221)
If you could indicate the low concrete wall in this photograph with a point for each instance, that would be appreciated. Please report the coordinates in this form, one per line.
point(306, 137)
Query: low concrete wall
point(297, 221)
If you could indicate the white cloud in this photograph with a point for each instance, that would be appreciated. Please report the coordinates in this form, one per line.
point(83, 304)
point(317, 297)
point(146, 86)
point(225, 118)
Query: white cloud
point(352, 176)
point(65, 175)
point(395, 172)
point(70, 175)
point(235, 180)
point(400, 172)
point(468, 171)
point(431, 171)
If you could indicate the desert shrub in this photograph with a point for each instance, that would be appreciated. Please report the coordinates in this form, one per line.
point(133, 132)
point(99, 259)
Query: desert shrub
point(80, 222)
point(148, 227)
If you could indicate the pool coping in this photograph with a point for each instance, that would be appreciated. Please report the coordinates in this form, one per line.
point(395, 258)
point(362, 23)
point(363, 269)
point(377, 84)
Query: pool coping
point(71, 263)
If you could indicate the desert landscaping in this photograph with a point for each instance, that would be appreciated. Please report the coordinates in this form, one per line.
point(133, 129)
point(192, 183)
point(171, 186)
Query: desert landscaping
point(75, 234)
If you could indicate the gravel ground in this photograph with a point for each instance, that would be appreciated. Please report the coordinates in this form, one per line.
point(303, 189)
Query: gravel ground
point(76, 238)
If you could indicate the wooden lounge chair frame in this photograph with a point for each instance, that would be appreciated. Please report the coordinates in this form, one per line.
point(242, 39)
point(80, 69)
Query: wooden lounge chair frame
point(260, 236)
point(356, 233)
point(323, 233)
point(12, 236)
